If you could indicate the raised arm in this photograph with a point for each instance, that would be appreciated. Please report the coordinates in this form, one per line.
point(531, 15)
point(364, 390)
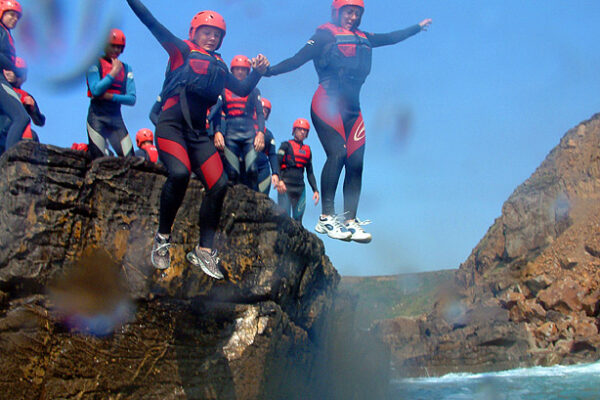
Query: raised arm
point(386, 39)
point(312, 49)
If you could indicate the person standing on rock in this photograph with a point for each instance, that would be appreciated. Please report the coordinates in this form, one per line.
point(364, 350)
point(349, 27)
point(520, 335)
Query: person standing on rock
point(195, 77)
point(342, 57)
point(145, 143)
point(267, 163)
point(10, 103)
point(110, 84)
point(295, 157)
point(240, 141)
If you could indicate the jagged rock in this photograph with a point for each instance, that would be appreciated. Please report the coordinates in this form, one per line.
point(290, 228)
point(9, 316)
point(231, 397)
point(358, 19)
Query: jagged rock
point(537, 283)
point(74, 254)
point(563, 296)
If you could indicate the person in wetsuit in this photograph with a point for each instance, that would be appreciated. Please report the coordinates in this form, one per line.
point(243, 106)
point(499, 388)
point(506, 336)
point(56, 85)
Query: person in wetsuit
point(10, 102)
point(342, 58)
point(295, 157)
point(110, 84)
point(195, 77)
point(31, 106)
point(145, 143)
point(266, 162)
point(241, 140)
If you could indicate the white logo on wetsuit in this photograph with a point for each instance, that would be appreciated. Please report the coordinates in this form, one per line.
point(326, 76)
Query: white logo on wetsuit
point(360, 132)
point(310, 42)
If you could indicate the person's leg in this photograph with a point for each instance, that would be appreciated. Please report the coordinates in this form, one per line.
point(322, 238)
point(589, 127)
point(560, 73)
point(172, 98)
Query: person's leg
point(232, 152)
point(298, 200)
point(250, 169)
point(11, 106)
point(119, 138)
point(97, 144)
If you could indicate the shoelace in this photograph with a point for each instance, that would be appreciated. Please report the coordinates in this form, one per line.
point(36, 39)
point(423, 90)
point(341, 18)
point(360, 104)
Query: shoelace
point(338, 221)
point(164, 246)
point(362, 223)
point(214, 256)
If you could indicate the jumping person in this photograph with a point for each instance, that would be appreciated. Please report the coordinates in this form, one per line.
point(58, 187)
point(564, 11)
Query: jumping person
point(145, 143)
point(241, 140)
point(110, 84)
point(266, 162)
point(196, 75)
point(10, 103)
point(295, 157)
point(342, 57)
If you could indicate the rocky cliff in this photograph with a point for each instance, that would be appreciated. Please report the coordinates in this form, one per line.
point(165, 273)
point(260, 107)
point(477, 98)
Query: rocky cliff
point(529, 293)
point(83, 315)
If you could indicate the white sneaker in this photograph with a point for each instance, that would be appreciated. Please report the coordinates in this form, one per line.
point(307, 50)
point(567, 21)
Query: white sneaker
point(333, 227)
point(160, 256)
point(208, 262)
point(359, 235)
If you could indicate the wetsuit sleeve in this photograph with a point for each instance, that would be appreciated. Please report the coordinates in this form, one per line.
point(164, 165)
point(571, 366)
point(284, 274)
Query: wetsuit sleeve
point(271, 150)
point(5, 59)
point(96, 85)
point(129, 97)
point(386, 39)
point(155, 111)
point(311, 175)
point(34, 112)
point(167, 40)
point(311, 50)
point(260, 116)
point(242, 88)
point(215, 114)
point(283, 150)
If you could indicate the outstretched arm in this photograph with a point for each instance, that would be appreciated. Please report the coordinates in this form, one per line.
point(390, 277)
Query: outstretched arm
point(386, 39)
point(312, 49)
point(243, 88)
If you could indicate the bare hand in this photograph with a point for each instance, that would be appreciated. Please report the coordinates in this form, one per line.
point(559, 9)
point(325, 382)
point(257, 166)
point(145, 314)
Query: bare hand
point(219, 141)
point(425, 24)
point(106, 96)
point(259, 141)
point(316, 198)
point(281, 189)
point(117, 66)
point(28, 101)
point(260, 63)
point(274, 181)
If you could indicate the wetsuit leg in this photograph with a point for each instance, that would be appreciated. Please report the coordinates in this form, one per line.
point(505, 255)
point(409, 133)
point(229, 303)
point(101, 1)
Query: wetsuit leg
point(250, 169)
point(119, 138)
point(11, 105)
point(355, 146)
point(330, 129)
point(206, 164)
point(298, 200)
point(264, 179)
point(232, 160)
point(96, 128)
point(283, 201)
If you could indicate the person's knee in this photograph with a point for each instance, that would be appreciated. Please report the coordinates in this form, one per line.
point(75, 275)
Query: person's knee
point(179, 176)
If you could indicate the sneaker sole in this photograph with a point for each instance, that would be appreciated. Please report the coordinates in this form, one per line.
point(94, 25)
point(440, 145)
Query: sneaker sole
point(157, 266)
point(192, 260)
point(364, 240)
point(318, 229)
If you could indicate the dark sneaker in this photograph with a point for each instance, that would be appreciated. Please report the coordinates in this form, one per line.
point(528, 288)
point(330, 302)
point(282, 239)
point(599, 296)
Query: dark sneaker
point(208, 262)
point(333, 227)
point(160, 257)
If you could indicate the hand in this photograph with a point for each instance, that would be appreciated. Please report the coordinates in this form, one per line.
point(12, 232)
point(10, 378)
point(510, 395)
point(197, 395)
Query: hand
point(281, 189)
point(9, 75)
point(274, 180)
point(219, 141)
point(29, 101)
point(425, 24)
point(106, 96)
point(259, 141)
point(117, 66)
point(316, 198)
point(260, 63)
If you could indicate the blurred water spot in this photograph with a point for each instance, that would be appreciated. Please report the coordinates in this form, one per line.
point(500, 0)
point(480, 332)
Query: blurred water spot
point(394, 126)
point(91, 297)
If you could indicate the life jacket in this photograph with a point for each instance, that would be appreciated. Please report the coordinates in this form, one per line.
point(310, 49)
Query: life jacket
point(201, 73)
point(151, 152)
point(22, 94)
point(119, 84)
point(299, 158)
point(348, 57)
point(235, 106)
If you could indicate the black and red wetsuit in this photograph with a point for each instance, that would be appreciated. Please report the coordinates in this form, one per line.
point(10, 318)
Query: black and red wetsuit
point(239, 134)
point(34, 112)
point(148, 152)
point(193, 82)
point(295, 157)
point(104, 120)
point(10, 102)
point(342, 59)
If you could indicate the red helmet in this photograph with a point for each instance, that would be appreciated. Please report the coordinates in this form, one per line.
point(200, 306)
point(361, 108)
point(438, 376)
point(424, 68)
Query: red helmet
point(240, 61)
point(266, 103)
point(301, 123)
point(79, 146)
point(10, 5)
point(117, 37)
point(337, 5)
point(143, 135)
point(208, 18)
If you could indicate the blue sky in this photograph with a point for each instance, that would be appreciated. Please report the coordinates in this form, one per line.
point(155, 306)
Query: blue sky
point(456, 117)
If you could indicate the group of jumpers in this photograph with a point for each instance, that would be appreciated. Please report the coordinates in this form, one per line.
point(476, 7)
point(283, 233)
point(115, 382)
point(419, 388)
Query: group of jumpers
point(197, 79)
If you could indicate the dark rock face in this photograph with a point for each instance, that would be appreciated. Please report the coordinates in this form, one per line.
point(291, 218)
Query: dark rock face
point(74, 253)
point(529, 292)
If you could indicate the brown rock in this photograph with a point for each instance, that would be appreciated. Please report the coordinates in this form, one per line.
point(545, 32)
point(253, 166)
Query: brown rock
point(564, 296)
point(547, 332)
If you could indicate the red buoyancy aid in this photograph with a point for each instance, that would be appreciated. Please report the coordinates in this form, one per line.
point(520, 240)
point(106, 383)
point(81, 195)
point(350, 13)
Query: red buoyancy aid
point(119, 84)
point(202, 73)
point(299, 158)
point(349, 57)
point(152, 152)
point(235, 106)
point(22, 94)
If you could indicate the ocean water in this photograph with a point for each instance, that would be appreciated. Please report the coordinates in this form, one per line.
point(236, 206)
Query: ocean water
point(575, 382)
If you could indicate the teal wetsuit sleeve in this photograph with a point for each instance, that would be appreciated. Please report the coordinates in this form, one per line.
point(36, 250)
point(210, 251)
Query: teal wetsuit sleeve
point(96, 85)
point(386, 39)
point(129, 97)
